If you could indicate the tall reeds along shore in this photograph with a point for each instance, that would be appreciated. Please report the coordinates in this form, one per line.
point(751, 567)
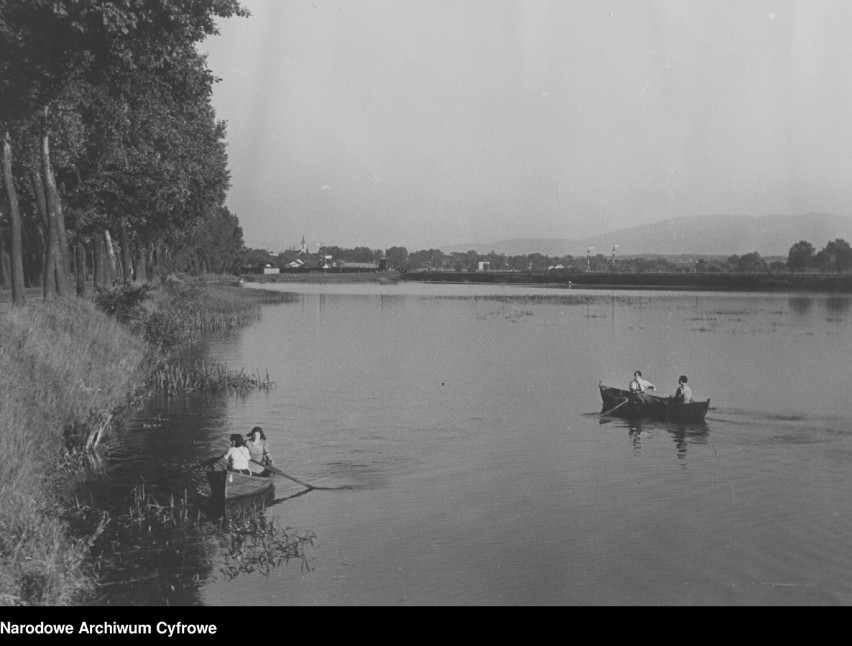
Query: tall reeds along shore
point(186, 309)
point(67, 366)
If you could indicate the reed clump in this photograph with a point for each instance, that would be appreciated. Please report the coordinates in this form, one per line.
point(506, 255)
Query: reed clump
point(173, 315)
point(259, 545)
point(205, 307)
point(169, 533)
point(172, 377)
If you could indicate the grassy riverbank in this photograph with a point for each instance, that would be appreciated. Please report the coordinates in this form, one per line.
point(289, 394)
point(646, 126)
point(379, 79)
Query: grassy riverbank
point(67, 368)
point(64, 364)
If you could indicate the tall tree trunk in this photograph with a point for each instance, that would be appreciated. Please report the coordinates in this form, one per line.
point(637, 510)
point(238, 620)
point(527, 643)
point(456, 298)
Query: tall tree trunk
point(55, 260)
point(33, 255)
point(64, 247)
point(38, 189)
point(80, 266)
point(15, 244)
point(142, 266)
point(112, 267)
point(41, 204)
point(157, 256)
point(126, 261)
point(49, 288)
point(98, 260)
point(5, 267)
point(149, 261)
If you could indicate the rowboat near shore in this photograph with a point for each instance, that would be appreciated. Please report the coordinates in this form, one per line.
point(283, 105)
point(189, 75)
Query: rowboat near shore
point(623, 403)
point(227, 486)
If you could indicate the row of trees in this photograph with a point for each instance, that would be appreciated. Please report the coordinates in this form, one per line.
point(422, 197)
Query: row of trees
point(836, 256)
point(112, 157)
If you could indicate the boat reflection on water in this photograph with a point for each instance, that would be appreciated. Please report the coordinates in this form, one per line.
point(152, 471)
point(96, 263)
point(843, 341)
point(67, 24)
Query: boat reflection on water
point(681, 434)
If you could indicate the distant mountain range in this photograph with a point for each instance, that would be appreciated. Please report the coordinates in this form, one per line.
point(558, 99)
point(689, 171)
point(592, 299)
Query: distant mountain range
point(712, 235)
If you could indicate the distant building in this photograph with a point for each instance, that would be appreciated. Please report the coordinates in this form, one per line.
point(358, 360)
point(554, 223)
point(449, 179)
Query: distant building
point(483, 265)
point(269, 269)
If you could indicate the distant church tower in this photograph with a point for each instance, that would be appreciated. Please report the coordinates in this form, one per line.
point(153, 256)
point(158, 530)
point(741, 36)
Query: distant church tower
point(304, 249)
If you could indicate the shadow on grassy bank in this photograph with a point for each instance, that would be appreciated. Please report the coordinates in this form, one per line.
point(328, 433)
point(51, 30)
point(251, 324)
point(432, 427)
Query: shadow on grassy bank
point(67, 368)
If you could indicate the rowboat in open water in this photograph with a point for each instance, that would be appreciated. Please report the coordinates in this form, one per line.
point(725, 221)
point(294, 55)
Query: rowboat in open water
point(623, 403)
point(227, 486)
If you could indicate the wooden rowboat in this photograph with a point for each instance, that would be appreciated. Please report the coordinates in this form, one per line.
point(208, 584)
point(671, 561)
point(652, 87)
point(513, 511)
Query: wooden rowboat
point(623, 403)
point(227, 486)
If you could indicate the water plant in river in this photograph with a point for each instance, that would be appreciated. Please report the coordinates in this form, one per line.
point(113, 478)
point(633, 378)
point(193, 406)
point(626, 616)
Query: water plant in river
point(205, 307)
point(258, 544)
point(165, 545)
point(177, 310)
point(172, 377)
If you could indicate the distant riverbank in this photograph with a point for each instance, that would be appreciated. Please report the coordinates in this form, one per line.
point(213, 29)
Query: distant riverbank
point(680, 281)
point(324, 277)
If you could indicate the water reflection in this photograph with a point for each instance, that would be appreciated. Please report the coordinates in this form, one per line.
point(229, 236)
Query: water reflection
point(640, 431)
point(834, 304)
point(165, 547)
point(837, 304)
point(801, 304)
point(685, 435)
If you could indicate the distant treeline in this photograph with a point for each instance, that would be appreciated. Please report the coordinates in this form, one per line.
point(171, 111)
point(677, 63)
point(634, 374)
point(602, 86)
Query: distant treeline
point(835, 257)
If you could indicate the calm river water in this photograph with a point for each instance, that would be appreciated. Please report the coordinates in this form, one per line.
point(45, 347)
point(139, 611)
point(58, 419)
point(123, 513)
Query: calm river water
point(466, 420)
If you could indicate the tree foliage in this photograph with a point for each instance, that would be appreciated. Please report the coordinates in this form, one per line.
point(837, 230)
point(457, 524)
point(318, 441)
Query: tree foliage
point(801, 256)
point(123, 97)
point(836, 256)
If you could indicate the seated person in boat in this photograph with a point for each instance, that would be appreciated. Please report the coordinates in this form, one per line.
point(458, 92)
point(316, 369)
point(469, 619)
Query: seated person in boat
point(684, 392)
point(639, 385)
point(259, 451)
point(238, 455)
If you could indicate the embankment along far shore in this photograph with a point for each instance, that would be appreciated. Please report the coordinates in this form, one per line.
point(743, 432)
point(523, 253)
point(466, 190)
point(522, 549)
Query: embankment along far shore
point(324, 277)
point(673, 281)
point(841, 283)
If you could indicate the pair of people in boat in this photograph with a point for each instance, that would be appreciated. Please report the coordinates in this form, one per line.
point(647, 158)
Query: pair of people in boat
point(249, 455)
point(639, 386)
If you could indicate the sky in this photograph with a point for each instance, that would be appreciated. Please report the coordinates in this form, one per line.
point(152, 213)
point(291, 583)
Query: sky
point(428, 123)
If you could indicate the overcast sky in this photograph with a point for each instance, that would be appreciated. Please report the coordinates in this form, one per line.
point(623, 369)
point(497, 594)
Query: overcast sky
point(425, 123)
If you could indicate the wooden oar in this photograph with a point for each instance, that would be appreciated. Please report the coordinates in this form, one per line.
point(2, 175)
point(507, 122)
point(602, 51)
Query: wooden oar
point(205, 463)
point(279, 472)
point(626, 399)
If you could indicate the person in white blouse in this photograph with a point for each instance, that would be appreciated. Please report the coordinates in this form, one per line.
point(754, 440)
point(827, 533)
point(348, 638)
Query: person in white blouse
point(238, 455)
point(639, 384)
